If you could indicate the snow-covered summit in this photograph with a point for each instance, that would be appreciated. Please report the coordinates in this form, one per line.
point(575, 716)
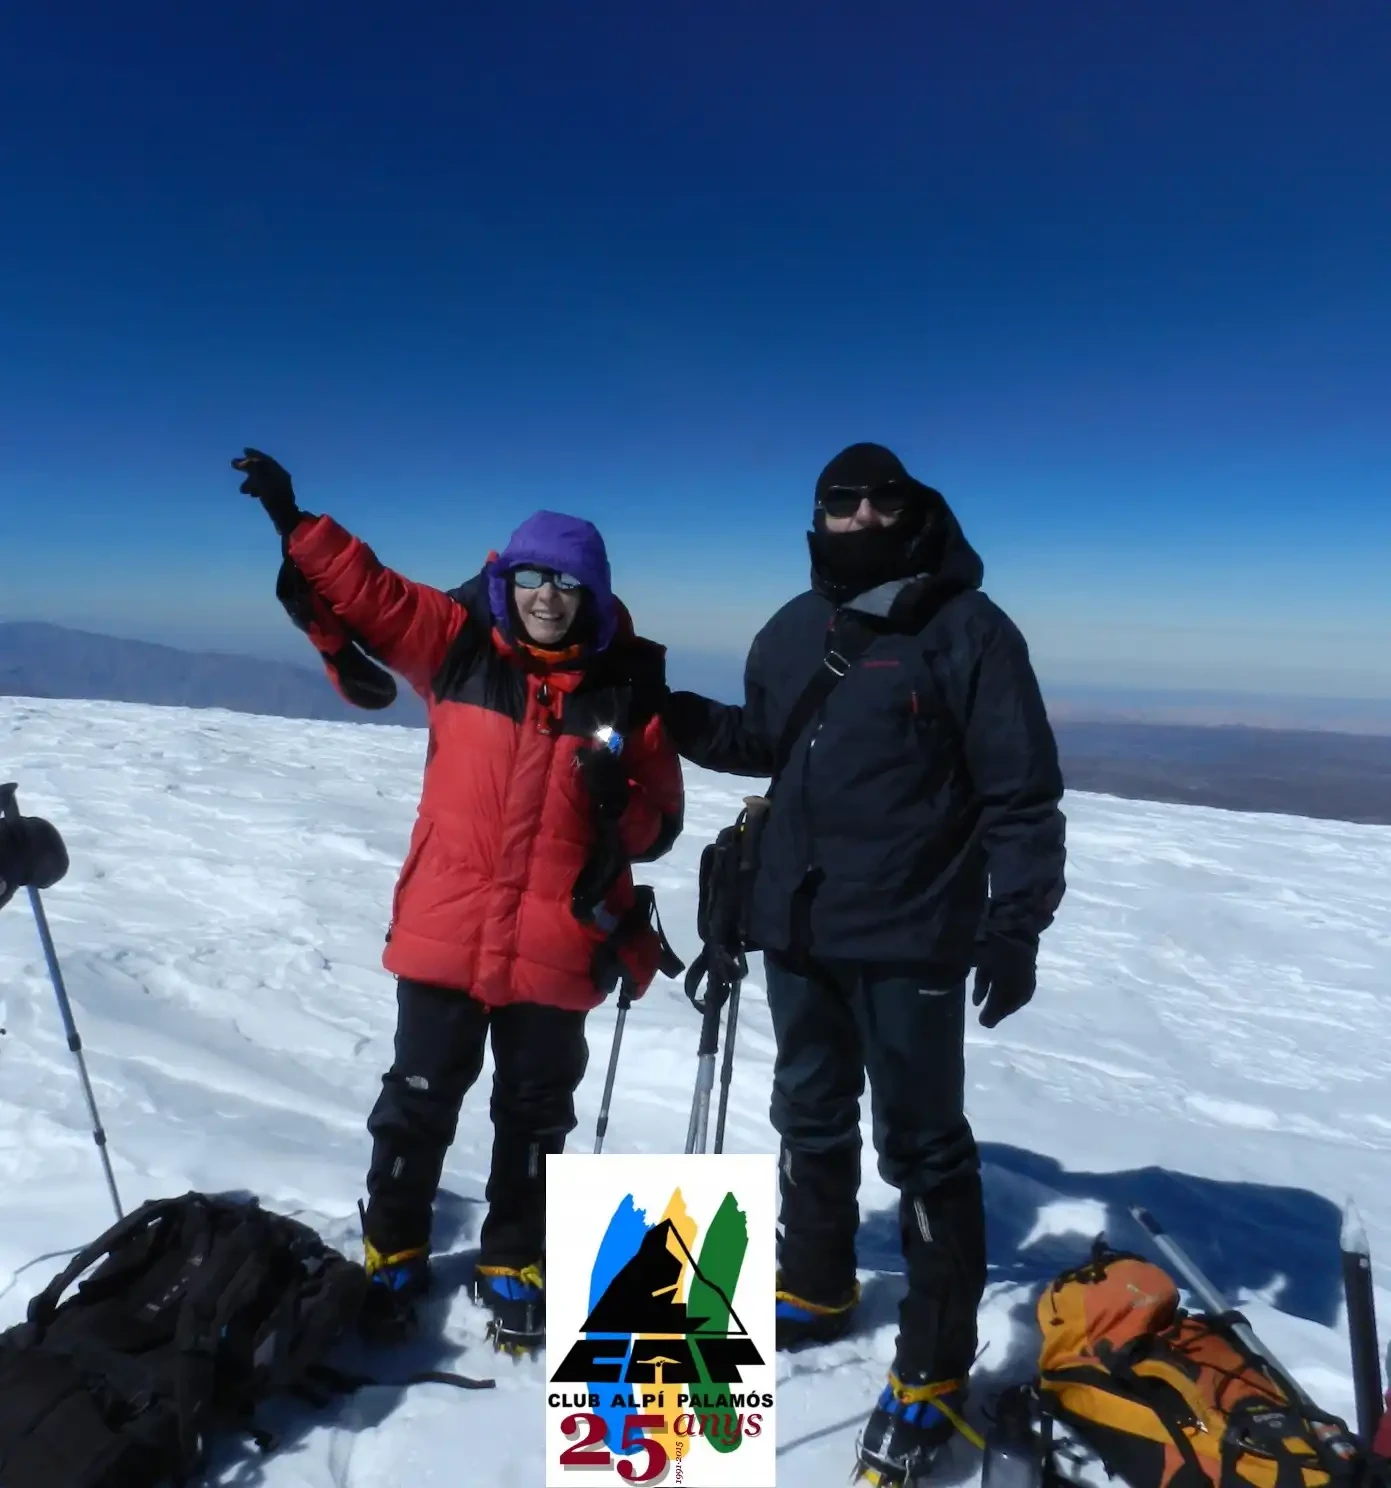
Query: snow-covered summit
point(1211, 1038)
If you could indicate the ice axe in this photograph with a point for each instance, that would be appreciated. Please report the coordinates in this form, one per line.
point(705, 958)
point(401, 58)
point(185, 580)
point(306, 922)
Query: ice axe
point(1214, 1301)
point(1362, 1324)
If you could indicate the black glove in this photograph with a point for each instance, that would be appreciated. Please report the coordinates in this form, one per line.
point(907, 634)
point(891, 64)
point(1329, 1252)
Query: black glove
point(602, 869)
point(1006, 975)
point(31, 853)
point(605, 778)
point(686, 716)
point(270, 484)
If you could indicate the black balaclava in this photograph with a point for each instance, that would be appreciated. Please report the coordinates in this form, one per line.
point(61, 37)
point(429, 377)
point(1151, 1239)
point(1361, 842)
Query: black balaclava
point(851, 563)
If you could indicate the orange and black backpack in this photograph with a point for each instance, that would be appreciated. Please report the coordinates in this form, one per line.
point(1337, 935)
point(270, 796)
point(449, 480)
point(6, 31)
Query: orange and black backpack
point(1170, 1399)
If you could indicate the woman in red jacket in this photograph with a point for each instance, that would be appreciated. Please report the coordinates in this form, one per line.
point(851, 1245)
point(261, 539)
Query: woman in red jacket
point(547, 774)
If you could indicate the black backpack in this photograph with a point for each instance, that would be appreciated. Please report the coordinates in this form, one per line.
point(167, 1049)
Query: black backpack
point(200, 1308)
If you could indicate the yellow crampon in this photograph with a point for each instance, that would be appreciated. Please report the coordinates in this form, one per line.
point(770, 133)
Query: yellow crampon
point(932, 1394)
point(528, 1276)
point(821, 1309)
point(374, 1260)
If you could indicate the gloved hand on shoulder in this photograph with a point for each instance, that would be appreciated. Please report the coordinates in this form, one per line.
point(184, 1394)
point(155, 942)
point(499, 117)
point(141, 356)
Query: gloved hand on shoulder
point(686, 716)
point(32, 855)
point(1006, 976)
point(270, 484)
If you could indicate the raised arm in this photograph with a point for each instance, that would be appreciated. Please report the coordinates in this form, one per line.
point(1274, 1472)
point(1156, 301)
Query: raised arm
point(406, 625)
point(409, 626)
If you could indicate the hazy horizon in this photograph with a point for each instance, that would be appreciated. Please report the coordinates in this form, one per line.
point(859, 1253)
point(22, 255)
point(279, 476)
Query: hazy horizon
point(720, 675)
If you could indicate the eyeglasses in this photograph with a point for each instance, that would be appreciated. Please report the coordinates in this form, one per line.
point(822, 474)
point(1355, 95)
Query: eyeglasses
point(534, 578)
point(889, 500)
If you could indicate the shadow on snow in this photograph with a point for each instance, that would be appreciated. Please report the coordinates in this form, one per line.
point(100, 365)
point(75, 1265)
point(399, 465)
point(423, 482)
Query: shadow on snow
point(1249, 1238)
point(238, 1464)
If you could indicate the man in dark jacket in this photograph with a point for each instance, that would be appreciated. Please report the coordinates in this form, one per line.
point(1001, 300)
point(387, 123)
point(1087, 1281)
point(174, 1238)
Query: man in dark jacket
point(914, 833)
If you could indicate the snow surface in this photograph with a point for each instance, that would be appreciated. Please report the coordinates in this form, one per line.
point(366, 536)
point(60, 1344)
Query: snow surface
point(1210, 1039)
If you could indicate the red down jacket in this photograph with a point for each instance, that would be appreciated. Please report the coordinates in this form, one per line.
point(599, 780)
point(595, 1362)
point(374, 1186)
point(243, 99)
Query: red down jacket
point(483, 901)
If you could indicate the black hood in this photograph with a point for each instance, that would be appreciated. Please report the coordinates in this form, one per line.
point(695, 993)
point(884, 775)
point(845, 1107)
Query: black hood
point(891, 571)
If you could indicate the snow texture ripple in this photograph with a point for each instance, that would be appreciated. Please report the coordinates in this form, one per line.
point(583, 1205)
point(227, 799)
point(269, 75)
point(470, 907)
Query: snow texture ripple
point(1211, 1038)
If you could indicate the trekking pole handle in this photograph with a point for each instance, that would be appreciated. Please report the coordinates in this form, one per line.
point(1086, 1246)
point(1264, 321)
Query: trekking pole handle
point(710, 1026)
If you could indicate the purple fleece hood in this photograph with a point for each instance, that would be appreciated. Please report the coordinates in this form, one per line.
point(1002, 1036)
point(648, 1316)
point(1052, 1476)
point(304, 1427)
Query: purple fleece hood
point(568, 545)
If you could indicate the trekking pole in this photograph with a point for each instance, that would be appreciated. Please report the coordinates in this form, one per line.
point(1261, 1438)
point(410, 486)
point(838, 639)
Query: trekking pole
point(9, 807)
point(624, 1002)
point(1214, 1301)
point(717, 992)
point(705, 1075)
point(755, 809)
point(727, 1069)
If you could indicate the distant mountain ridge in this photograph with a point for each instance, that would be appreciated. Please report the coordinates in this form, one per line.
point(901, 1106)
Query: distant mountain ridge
point(1344, 777)
point(42, 660)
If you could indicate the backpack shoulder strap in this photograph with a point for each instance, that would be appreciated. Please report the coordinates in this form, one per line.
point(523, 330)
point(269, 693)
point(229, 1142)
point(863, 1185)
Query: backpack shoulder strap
point(834, 665)
point(43, 1306)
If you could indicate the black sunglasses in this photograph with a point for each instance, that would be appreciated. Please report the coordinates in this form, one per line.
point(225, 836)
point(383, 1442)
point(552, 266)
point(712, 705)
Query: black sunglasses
point(535, 578)
point(890, 499)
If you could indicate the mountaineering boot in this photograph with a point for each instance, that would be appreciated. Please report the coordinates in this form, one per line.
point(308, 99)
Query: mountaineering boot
point(817, 1292)
point(943, 1235)
point(908, 1428)
point(516, 1297)
point(395, 1284)
point(801, 1321)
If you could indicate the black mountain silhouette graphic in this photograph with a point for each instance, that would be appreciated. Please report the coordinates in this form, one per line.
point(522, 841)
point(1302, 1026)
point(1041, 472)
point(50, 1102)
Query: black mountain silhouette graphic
point(642, 1297)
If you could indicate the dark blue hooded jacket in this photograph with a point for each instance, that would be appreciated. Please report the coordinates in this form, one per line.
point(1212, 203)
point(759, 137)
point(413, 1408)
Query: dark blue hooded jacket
point(919, 810)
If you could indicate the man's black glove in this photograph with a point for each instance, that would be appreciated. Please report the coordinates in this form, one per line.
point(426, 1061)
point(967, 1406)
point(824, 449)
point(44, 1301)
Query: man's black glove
point(1006, 975)
point(270, 484)
point(686, 718)
point(32, 854)
point(605, 778)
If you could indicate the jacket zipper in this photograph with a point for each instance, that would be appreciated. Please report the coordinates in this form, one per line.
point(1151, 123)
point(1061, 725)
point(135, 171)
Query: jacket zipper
point(807, 814)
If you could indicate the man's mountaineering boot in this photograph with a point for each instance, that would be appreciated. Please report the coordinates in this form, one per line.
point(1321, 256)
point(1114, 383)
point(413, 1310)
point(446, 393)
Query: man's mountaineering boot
point(516, 1297)
point(907, 1429)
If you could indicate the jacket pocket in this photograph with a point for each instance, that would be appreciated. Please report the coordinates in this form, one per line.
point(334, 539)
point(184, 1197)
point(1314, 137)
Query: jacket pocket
point(423, 832)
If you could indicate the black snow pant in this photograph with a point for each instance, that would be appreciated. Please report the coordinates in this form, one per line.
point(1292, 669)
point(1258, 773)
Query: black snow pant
point(539, 1059)
point(834, 1022)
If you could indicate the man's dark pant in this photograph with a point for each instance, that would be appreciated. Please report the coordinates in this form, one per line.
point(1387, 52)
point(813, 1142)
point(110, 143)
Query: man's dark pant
point(835, 1021)
point(539, 1058)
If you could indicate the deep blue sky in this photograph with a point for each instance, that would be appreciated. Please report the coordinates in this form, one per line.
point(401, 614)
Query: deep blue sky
point(1116, 277)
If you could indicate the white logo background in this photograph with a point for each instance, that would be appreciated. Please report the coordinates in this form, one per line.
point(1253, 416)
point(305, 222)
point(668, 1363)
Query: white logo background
point(582, 1193)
